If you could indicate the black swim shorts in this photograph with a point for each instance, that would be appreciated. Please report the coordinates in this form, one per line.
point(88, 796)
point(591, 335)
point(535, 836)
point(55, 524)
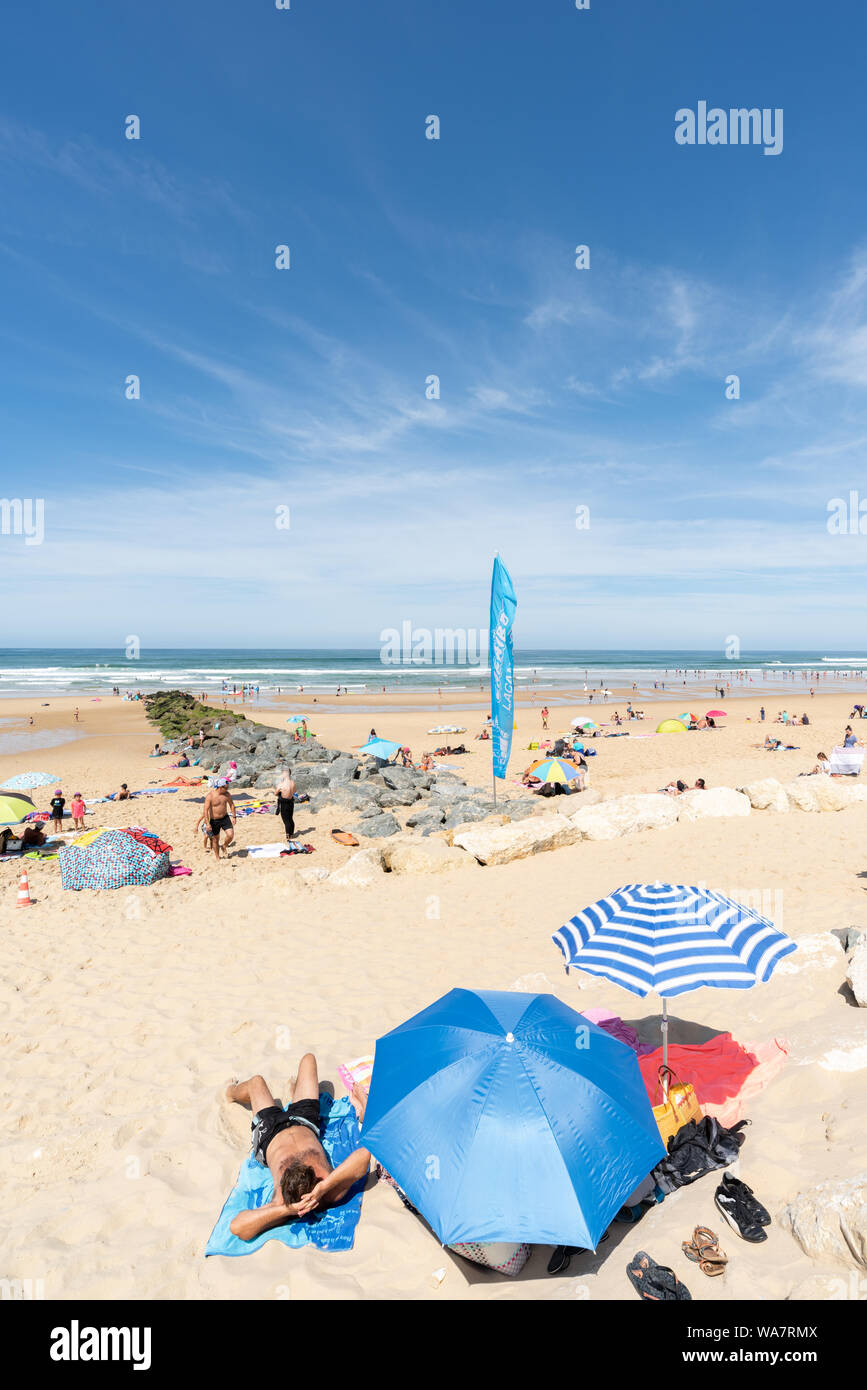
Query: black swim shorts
point(274, 1118)
point(221, 823)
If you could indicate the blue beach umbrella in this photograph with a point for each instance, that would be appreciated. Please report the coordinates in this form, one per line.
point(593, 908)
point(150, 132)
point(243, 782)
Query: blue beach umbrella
point(510, 1117)
point(25, 780)
point(671, 939)
point(380, 748)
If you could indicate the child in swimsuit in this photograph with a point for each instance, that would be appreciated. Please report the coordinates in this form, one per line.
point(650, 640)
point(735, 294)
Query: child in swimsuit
point(77, 809)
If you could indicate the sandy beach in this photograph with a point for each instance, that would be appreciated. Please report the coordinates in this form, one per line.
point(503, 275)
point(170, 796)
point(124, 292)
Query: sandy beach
point(125, 1013)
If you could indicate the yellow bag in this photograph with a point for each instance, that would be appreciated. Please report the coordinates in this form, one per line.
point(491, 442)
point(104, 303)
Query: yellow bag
point(679, 1104)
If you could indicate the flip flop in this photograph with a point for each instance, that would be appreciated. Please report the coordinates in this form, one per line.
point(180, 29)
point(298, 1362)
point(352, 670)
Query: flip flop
point(656, 1283)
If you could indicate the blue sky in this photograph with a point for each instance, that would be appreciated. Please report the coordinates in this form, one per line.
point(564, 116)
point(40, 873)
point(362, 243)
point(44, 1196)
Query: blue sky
point(560, 388)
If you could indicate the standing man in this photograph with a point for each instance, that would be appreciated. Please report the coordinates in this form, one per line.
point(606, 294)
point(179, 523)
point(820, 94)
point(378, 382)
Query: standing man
point(762, 714)
point(219, 814)
point(286, 802)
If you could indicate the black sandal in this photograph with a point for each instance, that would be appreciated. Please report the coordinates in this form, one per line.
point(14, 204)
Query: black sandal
point(656, 1283)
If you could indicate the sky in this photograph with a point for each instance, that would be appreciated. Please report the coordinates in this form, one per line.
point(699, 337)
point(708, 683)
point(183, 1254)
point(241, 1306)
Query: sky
point(285, 478)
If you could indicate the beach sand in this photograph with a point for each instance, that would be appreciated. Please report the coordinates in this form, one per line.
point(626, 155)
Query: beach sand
point(124, 1013)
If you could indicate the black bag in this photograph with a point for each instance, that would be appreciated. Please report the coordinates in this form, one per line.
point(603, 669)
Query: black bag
point(698, 1147)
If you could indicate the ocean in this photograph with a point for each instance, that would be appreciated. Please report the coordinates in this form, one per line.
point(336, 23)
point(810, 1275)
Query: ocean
point(89, 672)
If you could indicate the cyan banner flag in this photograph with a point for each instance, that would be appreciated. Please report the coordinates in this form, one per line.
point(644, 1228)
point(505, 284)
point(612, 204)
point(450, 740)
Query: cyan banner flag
point(503, 605)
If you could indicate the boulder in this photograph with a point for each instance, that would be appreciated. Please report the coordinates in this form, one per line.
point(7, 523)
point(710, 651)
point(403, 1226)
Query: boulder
point(407, 796)
point(503, 843)
point(594, 823)
point(710, 804)
point(766, 795)
point(407, 856)
point(362, 869)
point(848, 937)
point(829, 1222)
point(342, 769)
point(629, 814)
point(819, 793)
point(492, 820)
point(313, 752)
point(396, 777)
point(310, 779)
point(467, 811)
point(311, 875)
point(856, 975)
point(377, 826)
point(426, 817)
point(355, 796)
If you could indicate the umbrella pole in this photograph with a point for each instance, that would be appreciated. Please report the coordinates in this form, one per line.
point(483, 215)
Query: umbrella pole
point(665, 1032)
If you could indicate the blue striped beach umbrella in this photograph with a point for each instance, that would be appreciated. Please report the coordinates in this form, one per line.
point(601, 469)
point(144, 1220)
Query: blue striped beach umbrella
point(670, 938)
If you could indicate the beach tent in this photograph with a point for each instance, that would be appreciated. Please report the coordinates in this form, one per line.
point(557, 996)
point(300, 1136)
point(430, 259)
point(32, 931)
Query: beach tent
point(846, 761)
point(671, 726)
point(14, 806)
point(115, 859)
point(509, 1117)
point(671, 938)
point(381, 748)
point(584, 724)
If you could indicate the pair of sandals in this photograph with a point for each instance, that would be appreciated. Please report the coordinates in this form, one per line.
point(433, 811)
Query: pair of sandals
point(704, 1251)
point(743, 1211)
point(658, 1284)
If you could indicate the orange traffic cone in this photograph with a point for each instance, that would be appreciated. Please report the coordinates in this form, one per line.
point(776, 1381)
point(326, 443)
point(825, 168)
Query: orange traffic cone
point(24, 898)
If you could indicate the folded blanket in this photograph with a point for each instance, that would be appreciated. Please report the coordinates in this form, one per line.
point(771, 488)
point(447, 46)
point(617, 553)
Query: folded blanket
point(331, 1229)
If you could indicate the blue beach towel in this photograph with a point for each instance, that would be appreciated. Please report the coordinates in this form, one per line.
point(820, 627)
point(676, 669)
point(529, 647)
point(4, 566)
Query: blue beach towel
point(331, 1229)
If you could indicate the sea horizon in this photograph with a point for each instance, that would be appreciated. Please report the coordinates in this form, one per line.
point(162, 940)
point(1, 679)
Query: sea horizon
point(84, 671)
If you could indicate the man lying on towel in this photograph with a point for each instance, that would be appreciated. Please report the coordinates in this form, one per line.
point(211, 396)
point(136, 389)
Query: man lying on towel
point(287, 1142)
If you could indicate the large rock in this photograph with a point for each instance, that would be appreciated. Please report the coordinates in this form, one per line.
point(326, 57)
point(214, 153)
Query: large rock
point(343, 769)
point(310, 779)
point(396, 777)
point(355, 796)
point(818, 793)
point(451, 831)
point(313, 752)
point(408, 856)
point(594, 823)
point(766, 795)
point(426, 818)
point(467, 811)
point(501, 844)
point(629, 814)
point(710, 804)
point(829, 1222)
point(856, 976)
point(406, 796)
point(362, 869)
point(377, 827)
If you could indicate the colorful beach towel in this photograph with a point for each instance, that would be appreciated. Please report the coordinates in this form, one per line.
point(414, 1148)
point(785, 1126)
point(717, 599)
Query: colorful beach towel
point(726, 1074)
point(357, 1073)
point(332, 1229)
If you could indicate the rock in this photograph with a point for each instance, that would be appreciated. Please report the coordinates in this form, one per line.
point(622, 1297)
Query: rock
point(342, 769)
point(503, 843)
point(627, 815)
point(407, 797)
point(819, 793)
point(312, 875)
point(856, 976)
point(716, 801)
point(593, 823)
point(848, 937)
point(492, 820)
point(377, 826)
point(829, 1222)
point(313, 752)
point(310, 779)
point(426, 816)
point(396, 777)
point(449, 792)
point(355, 796)
point(766, 795)
point(422, 857)
point(267, 777)
point(362, 869)
point(466, 811)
